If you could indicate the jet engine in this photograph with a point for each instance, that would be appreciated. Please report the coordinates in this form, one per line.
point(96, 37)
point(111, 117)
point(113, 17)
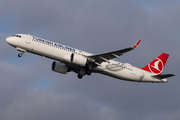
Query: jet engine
point(76, 59)
point(59, 67)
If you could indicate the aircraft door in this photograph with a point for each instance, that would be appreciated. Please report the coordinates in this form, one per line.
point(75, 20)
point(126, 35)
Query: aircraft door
point(28, 39)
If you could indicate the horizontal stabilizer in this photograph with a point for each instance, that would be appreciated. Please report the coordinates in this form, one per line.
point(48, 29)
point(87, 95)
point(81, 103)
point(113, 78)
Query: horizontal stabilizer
point(163, 76)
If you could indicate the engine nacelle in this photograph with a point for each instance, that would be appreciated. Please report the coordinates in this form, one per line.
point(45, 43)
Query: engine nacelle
point(76, 59)
point(59, 67)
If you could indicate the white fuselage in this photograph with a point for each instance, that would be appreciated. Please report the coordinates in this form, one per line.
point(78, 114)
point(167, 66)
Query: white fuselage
point(58, 51)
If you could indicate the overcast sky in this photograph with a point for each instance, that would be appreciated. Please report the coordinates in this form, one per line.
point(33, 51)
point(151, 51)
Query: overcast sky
point(29, 90)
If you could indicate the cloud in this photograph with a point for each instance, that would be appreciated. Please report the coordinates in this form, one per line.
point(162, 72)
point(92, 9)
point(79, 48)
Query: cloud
point(30, 90)
point(45, 104)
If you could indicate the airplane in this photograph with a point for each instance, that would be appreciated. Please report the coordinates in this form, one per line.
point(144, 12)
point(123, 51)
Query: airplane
point(83, 63)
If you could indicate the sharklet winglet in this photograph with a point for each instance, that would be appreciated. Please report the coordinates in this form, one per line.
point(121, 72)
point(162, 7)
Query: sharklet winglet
point(136, 44)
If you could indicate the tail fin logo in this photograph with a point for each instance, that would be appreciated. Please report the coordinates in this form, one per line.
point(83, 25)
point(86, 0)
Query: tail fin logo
point(156, 66)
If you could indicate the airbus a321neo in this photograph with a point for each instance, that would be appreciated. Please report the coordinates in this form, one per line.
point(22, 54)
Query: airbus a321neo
point(83, 63)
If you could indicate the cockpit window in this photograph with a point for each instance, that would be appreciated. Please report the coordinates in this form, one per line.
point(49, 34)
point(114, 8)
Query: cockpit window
point(17, 36)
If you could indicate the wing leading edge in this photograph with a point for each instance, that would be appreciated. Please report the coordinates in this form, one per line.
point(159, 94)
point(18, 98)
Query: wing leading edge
point(105, 57)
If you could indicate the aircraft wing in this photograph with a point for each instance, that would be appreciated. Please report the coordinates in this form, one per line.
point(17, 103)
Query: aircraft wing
point(105, 57)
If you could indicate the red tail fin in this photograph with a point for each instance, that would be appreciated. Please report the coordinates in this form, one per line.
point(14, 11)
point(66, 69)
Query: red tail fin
point(157, 65)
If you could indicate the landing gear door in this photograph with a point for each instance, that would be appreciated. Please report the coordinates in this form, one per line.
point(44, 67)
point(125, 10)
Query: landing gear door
point(28, 39)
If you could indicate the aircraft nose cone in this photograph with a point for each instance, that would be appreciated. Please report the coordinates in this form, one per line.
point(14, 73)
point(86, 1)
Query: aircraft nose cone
point(9, 40)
